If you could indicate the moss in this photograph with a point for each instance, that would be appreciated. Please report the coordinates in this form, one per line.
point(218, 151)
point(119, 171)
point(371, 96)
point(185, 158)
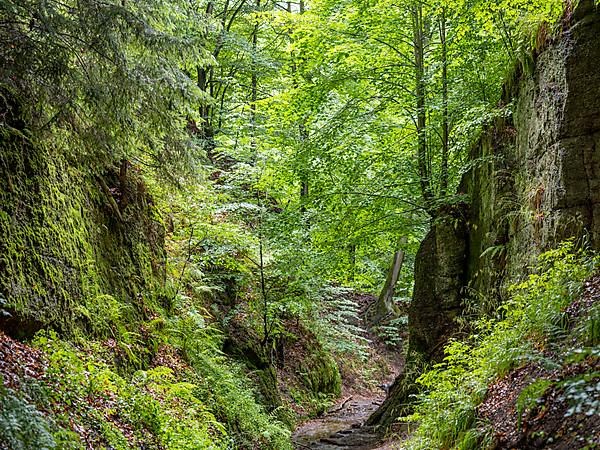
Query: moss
point(61, 246)
point(266, 382)
point(320, 373)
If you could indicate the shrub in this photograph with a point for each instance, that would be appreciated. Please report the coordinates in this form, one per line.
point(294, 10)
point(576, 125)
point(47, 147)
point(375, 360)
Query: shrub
point(22, 426)
point(154, 409)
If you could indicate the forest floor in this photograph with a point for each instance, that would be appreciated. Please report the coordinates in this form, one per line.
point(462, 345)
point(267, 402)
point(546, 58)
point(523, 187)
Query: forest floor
point(565, 416)
point(342, 427)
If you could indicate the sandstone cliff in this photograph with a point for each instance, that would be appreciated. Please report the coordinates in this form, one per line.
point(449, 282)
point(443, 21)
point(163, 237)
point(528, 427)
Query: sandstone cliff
point(533, 181)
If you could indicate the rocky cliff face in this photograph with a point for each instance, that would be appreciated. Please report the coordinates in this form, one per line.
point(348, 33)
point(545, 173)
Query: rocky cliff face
point(536, 176)
point(74, 243)
point(534, 181)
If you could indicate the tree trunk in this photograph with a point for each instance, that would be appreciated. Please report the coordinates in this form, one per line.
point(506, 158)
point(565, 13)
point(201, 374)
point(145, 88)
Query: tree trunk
point(420, 90)
point(304, 169)
point(445, 119)
point(204, 75)
point(303, 134)
point(384, 305)
point(263, 291)
point(352, 260)
point(206, 127)
point(254, 86)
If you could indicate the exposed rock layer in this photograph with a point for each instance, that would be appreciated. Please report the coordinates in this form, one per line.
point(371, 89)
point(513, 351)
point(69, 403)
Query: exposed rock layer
point(534, 181)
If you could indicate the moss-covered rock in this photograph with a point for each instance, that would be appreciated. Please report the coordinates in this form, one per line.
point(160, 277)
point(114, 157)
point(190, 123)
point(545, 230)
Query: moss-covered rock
point(245, 347)
point(69, 243)
point(309, 377)
point(320, 373)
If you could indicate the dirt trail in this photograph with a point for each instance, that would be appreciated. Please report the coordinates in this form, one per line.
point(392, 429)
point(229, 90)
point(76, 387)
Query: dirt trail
point(342, 428)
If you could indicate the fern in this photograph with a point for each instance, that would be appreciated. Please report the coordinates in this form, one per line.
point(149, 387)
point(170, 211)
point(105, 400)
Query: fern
point(338, 323)
point(22, 426)
point(533, 321)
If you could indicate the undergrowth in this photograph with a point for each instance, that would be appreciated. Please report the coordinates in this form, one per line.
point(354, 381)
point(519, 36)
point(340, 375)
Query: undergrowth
point(339, 324)
point(534, 328)
point(154, 408)
point(22, 426)
point(206, 405)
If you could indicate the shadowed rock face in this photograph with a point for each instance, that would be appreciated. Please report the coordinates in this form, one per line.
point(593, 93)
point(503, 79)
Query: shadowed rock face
point(535, 181)
point(538, 180)
point(440, 268)
point(439, 278)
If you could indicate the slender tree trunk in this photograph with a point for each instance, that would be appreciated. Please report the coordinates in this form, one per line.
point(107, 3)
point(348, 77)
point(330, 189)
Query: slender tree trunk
point(204, 83)
point(420, 90)
point(506, 36)
point(384, 305)
point(254, 85)
point(263, 290)
point(445, 119)
point(253, 144)
point(352, 260)
point(303, 134)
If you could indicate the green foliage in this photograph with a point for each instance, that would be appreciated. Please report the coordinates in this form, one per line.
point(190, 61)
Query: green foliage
point(329, 155)
point(184, 422)
point(338, 324)
point(105, 314)
point(447, 412)
point(392, 331)
point(209, 246)
point(101, 81)
point(530, 396)
point(154, 408)
point(210, 405)
point(191, 334)
point(533, 323)
point(22, 426)
point(588, 329)
point(300, 128)
point(583, 394)
point(231, 396)
point(228, 393)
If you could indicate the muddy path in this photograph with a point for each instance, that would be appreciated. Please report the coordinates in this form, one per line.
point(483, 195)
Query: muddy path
point(342, 427)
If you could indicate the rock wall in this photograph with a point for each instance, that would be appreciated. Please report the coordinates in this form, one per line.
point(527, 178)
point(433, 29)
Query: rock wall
point(71, 247)
point(439, 277)
point(536, 176)
point(534, 180)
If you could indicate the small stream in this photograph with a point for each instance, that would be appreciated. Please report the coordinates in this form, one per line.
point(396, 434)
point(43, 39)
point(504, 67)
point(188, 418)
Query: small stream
point(341, 429)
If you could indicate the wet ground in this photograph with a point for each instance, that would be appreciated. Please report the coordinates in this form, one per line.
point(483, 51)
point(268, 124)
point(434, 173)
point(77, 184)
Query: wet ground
point(342, 428)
